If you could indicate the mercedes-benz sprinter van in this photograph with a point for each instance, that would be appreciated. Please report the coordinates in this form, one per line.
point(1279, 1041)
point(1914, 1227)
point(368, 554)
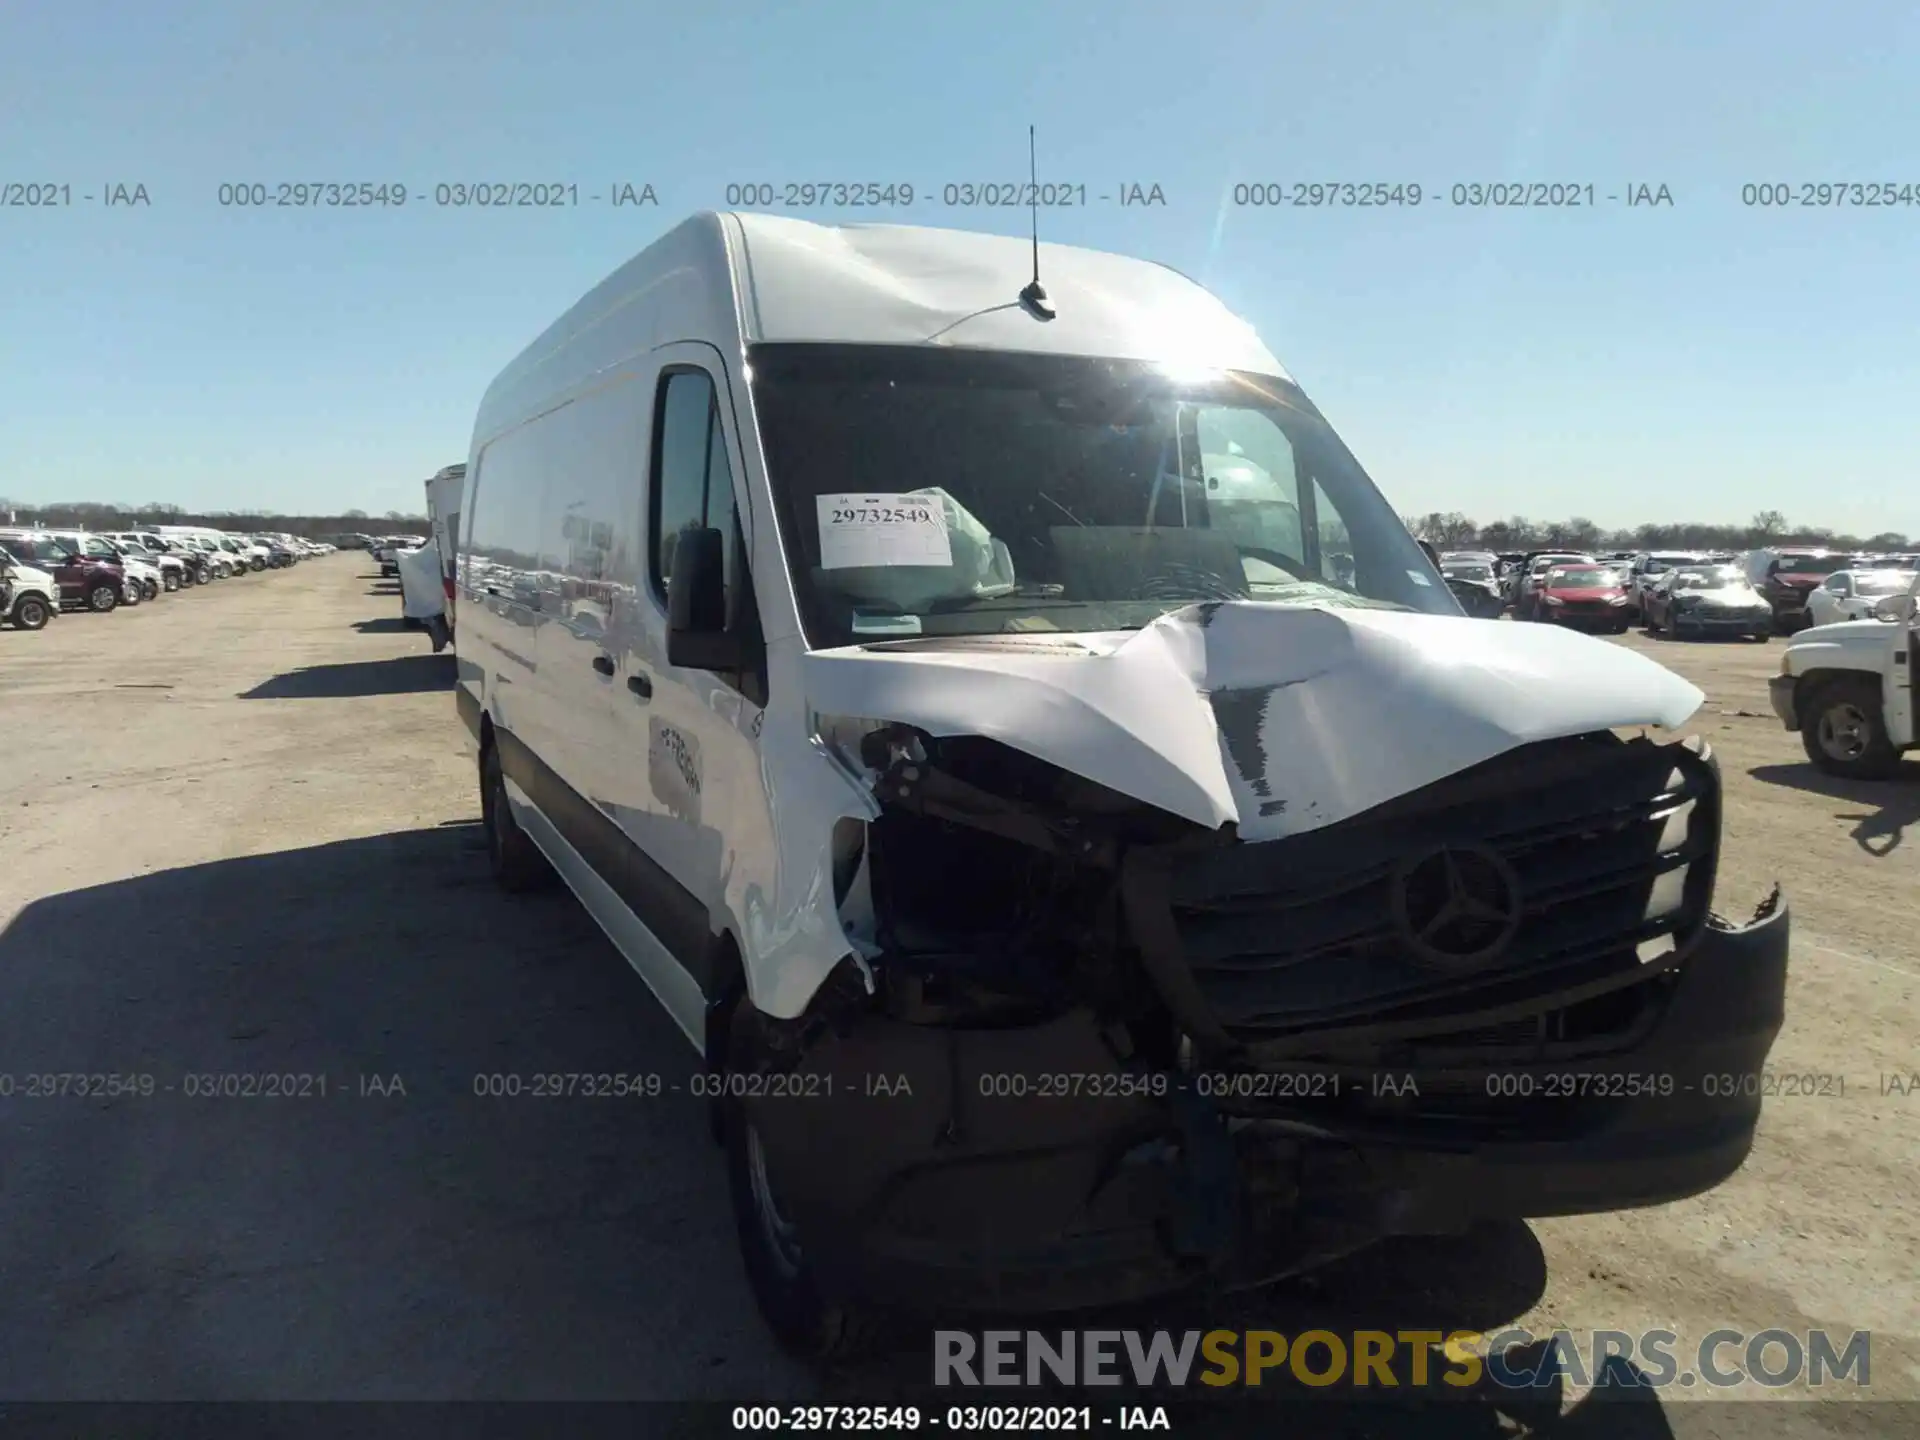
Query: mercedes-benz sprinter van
point(1068, 813)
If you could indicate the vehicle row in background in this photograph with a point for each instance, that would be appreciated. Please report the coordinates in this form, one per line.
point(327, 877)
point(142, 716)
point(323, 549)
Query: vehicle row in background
point(47, 569)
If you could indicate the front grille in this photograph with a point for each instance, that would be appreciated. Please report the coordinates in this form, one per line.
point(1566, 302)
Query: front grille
point(1610, 844)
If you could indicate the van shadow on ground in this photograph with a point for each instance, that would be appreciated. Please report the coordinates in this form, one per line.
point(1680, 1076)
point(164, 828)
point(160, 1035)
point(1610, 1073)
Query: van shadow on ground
point(399, 675)
point(317, 1201)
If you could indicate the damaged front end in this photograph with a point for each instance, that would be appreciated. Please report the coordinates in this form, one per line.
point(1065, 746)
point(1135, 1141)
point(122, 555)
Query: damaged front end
point(1087, 1050)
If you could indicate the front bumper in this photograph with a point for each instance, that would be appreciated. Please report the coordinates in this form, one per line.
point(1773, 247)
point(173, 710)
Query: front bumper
point(1780, 690)
point(1034, 1169)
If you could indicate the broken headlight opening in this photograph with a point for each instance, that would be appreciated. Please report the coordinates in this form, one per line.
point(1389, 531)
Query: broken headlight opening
point(985, 891)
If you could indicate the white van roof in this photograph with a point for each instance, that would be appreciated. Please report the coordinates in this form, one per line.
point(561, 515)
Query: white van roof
point(735, 279)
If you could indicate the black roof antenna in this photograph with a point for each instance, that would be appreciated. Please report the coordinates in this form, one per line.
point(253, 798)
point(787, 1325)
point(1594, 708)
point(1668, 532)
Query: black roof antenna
point(1034, 297)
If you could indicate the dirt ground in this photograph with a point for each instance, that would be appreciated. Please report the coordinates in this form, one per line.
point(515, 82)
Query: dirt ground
point(239, 835)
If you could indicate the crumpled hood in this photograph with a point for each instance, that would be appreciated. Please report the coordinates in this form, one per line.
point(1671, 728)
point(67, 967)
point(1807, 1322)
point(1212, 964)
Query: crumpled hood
point(1278, 718)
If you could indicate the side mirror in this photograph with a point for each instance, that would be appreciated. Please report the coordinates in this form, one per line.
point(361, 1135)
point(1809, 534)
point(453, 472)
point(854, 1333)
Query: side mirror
point(697, 633)
point(1897, 608)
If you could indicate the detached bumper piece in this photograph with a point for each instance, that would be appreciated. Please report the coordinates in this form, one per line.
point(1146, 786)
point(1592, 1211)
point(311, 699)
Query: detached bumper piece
point(1360, 1060)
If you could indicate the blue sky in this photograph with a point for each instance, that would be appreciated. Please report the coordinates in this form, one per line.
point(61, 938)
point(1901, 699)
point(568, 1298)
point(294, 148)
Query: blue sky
point(1701, 361)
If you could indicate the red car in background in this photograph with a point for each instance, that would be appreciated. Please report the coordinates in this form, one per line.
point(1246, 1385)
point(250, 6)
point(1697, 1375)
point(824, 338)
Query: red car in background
point(1590, 596)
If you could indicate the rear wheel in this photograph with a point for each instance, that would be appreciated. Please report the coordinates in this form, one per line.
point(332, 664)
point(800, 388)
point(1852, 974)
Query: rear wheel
point(1844, 730)
point(515, 860)
point(30, 612)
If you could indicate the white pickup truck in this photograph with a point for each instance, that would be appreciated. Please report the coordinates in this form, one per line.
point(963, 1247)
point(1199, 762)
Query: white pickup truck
point(1848, 688)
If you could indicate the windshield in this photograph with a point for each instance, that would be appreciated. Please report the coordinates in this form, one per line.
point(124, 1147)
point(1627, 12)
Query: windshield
point(1582, 577)
point(1466, 570)
point(1809, 564)
point(1702, 577)
point(953, 492)
point(90, 545)
point(1882, 582)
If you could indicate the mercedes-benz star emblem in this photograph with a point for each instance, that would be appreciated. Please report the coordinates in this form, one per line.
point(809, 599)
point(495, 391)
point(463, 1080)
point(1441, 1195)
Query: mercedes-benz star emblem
point(1457, 907)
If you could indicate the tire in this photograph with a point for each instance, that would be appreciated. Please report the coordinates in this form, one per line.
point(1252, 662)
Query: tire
point(256, 564)
point(101, 598)
point(172, 580)
point(131, 595)
point(808, 1326)
point(516, 862)
point(30, 612)
point(149, 590)
point(1844, 731)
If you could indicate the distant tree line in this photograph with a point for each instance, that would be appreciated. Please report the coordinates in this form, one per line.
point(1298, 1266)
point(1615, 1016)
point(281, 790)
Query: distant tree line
point(1453, 531)
point(88, 515)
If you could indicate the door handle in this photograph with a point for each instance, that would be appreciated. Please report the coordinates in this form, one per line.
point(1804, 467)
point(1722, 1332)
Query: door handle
point(604, 664)
point(641, 685)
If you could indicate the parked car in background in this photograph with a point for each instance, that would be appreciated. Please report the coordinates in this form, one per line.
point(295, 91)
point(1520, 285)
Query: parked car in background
point(1585, 594)
point(1850, 689)
point(1788, 577)
point(176, 572)
point(1526, 593)
point(1469, 574)
point(29, 596)
point(280, 553)
point(196, 548)
point(387, 551)
point(1649, 566)
point(1705, 600)
point(142, 579)
point(86, 582)
point(1852, 594)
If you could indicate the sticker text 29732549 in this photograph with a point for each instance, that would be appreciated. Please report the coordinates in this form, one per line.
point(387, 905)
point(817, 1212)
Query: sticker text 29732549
point(859, 531)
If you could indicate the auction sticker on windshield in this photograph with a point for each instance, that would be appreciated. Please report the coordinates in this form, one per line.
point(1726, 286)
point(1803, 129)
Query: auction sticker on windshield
point(862, 531)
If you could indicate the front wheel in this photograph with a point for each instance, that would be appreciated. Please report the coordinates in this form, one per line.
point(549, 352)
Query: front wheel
point(809, 1326)
point(256, 564)
point(1844, 730)
point(171, 580)
point(30, 612)
point(149, 590)
point(101, 598)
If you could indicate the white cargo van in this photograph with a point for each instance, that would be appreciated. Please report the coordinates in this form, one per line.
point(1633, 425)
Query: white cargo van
point(1087, 844)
